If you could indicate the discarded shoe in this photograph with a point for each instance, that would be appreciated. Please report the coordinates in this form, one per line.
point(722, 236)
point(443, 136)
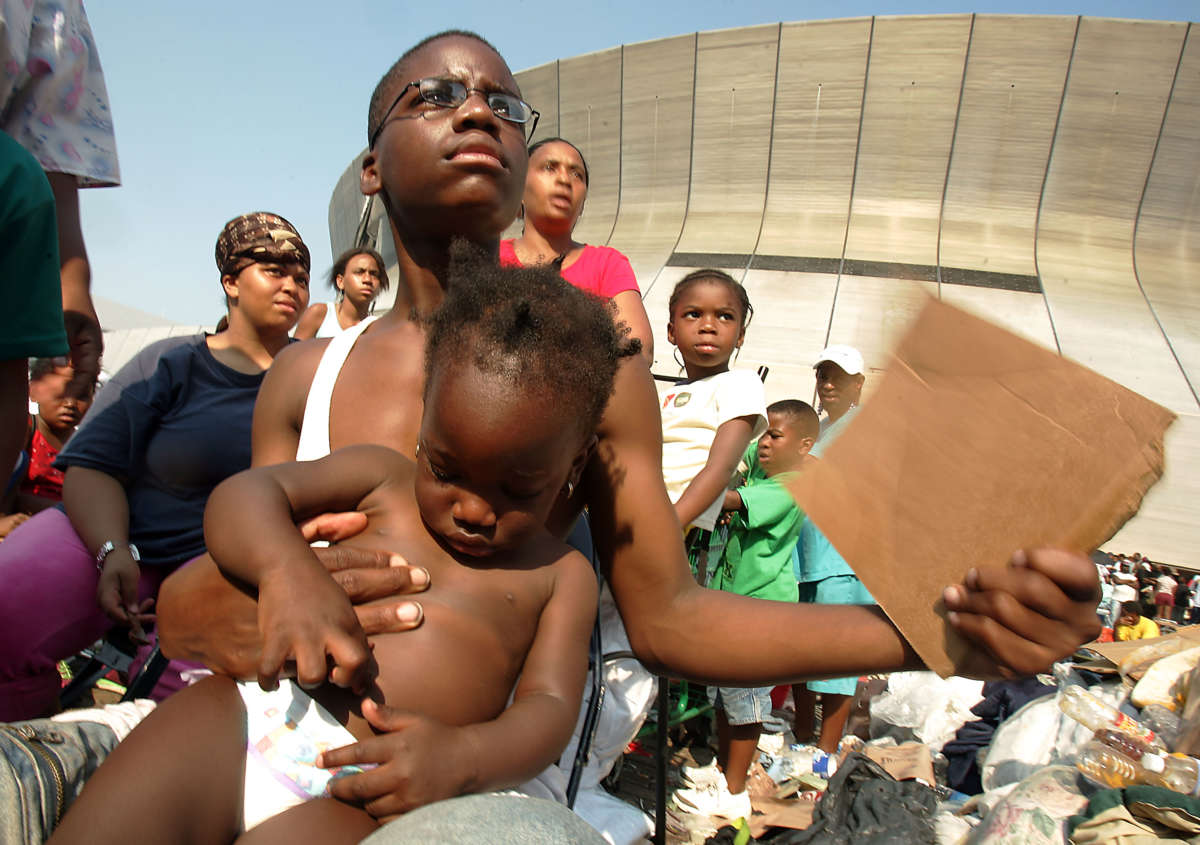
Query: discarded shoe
point(717, 801)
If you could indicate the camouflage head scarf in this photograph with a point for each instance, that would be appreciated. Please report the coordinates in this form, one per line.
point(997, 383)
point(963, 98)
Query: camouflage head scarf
point(259, 236)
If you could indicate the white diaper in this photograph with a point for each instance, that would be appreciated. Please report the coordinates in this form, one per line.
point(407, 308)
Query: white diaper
point(285, 731)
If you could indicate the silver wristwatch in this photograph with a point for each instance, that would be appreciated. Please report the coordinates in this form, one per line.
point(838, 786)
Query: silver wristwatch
point(109, 547)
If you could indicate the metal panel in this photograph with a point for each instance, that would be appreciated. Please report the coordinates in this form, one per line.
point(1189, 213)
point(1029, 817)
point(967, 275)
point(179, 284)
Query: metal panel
point(590, 118)
point(913, 86)
point(1167, 244)
point(735, 91)
point(788, 330)
point(1119, 82)
point(872, 314)
point(656, 120)
point(539, 88)
point(818, 104)
point(1014, 83)
point(1165, 527)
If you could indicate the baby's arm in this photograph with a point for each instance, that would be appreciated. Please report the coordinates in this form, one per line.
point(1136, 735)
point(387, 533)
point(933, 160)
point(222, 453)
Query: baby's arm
point(504, 752)
point(730, 442)
point(250, 530)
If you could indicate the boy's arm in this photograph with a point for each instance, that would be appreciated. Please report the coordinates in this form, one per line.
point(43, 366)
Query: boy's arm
point(1024, 615)
point(250, 530)
point(504, 752)
point(723, 457)
point(279, 408)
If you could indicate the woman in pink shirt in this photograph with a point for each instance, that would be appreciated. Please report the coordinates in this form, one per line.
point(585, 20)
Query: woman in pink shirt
point(555, 190)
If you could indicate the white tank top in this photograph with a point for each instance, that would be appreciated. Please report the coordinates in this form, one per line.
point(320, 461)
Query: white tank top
point(330, 327)
point(314, 428)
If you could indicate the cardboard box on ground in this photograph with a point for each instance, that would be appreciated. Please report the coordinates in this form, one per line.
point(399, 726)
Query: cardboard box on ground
point(977, 443)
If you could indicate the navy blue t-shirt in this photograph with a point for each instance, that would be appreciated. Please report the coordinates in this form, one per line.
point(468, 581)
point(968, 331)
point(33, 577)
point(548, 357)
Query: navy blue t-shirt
point(170, 426)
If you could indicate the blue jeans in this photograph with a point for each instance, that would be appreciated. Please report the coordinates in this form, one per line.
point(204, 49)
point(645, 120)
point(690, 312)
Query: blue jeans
point(43, 766)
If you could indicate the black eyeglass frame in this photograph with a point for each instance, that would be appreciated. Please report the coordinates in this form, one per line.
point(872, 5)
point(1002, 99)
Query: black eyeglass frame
point(531, 120)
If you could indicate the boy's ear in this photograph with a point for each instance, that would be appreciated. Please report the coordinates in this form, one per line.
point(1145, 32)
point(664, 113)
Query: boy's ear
point(806, 444)
point(368, 181)
point(229, 283)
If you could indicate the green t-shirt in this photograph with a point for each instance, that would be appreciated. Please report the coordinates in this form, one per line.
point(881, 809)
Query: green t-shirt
point(758, 557)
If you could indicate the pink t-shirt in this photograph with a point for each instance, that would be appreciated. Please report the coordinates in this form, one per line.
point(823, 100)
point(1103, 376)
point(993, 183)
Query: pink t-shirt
point(601, 270)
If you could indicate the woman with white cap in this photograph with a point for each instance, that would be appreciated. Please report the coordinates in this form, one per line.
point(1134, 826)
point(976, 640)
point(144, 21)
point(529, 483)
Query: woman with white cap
point(822, 574)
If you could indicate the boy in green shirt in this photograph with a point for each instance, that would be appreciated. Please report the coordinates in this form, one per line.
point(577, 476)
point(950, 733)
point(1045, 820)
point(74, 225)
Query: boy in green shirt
point(764, 526)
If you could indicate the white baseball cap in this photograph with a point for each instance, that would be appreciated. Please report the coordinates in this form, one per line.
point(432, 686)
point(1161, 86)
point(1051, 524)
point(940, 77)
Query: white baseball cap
point(846, 357)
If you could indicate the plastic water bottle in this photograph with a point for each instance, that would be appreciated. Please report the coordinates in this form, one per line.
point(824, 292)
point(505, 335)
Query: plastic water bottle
point(1174, 771)
point(802, 759)
point(1129, 745)
point(1093, 713)
point(1106, 766)
point(1166, 723)
point(1109, 767)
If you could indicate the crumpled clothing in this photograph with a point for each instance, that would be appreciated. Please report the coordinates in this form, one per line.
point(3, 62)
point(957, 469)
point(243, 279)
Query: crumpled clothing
point(1000, 700)
point(865, 805)
point(1136, 815)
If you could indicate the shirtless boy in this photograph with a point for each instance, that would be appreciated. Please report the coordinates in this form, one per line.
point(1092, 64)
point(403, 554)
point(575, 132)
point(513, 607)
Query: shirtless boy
point(457, 168)
point(505, 428)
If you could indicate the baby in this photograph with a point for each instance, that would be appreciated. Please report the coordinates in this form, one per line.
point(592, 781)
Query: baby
point(519, 367)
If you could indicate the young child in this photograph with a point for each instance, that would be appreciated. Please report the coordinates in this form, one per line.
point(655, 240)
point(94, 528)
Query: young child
point(710, 419)
point(764, 527)
point(1132, 625)
point(505, 427)
point(40, 485)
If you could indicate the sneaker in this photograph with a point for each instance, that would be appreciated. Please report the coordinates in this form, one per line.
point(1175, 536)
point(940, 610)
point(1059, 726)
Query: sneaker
point(715, 802)
point(701, 777)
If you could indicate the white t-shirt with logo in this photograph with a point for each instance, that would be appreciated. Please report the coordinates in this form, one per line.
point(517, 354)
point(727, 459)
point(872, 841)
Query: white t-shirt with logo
point(691, 414)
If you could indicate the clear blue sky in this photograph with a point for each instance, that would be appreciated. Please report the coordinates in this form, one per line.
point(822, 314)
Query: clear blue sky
point(224, 107)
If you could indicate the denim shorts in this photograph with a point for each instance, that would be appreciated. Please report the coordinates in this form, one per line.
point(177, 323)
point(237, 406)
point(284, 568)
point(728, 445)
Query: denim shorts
point(742, 706)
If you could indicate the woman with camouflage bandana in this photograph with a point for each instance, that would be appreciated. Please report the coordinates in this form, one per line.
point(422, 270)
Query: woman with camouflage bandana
point(170, 426)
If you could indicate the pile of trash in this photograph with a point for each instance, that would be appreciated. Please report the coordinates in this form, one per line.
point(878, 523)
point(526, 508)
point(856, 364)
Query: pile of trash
point(1102, 751)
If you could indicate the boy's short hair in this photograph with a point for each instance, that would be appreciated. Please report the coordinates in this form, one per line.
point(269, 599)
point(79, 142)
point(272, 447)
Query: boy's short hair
point(531, 327)
point(1131, 608)
point(801, 415)
point(397, 74)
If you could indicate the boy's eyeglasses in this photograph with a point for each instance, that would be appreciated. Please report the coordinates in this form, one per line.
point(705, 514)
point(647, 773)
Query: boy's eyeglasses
point(450, 94)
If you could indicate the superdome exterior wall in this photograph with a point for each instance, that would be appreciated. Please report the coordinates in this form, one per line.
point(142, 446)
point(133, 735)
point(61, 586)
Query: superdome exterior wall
point(1039, 170)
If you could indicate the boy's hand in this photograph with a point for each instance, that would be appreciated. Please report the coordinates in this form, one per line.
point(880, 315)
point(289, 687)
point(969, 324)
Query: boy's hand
point(419, 761)
point(366, 574)
point(305, 616)
point(1037, 609)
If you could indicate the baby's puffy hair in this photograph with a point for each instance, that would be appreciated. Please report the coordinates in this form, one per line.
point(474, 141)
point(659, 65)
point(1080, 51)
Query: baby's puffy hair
point(530, 327)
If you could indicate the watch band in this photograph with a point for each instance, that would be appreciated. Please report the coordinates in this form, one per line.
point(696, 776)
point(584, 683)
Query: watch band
point(109, 547)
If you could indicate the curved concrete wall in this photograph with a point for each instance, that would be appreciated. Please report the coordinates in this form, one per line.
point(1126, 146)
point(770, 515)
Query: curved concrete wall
point(1042, 171)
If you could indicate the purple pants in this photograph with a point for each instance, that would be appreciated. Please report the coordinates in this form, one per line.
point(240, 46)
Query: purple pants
point(48, 612)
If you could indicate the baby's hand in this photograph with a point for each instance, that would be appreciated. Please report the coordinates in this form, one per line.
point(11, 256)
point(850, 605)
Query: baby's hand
point(1028, 614)
point(419, 760)
point(305, 616)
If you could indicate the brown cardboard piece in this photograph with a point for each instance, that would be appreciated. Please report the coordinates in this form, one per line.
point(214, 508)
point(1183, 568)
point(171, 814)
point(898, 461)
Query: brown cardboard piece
point(904, 761)
point(976, 443)
point(1109, 655)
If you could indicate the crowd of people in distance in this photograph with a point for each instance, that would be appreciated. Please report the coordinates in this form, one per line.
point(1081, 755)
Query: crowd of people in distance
point(494, 468)
point(1139, 595)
